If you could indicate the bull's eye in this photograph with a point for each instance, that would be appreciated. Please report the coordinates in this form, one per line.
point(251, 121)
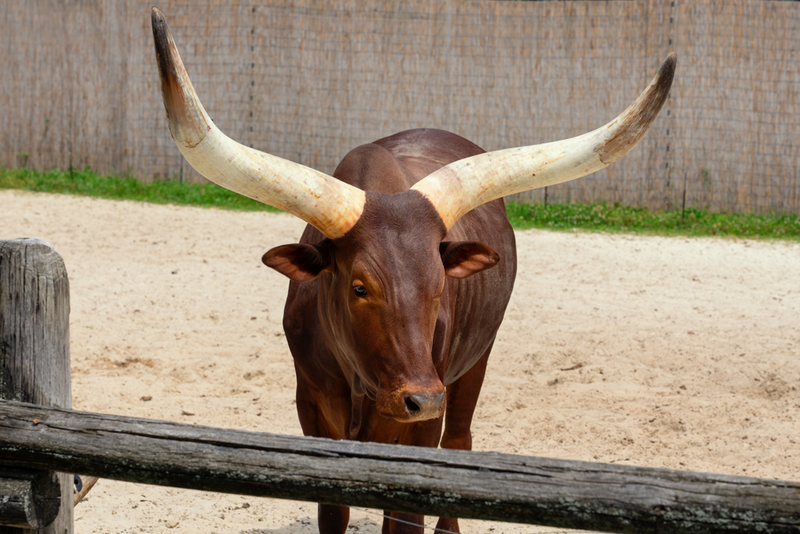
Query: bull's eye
point(360, 291)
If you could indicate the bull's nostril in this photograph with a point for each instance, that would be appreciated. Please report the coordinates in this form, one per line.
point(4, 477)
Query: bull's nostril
point(411, 406)
point(420, 407)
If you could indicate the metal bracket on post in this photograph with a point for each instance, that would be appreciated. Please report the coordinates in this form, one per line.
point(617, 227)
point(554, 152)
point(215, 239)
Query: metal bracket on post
point(29, 499)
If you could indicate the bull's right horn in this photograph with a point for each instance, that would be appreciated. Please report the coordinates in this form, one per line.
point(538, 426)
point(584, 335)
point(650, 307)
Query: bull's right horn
point(463, 185)
point(332, 206)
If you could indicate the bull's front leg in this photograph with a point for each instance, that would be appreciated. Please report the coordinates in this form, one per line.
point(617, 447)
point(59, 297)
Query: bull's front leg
point(462, 397)
point(402, 523)
point(419, 434)
point(332, 519)
point(317, 422)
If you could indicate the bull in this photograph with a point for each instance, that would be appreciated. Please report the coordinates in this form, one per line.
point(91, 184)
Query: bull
point(401, 278)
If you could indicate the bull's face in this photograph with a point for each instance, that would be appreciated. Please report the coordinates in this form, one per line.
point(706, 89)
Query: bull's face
point(379, 291)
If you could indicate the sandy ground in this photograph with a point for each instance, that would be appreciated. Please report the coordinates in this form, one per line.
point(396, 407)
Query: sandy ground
point(664, 352)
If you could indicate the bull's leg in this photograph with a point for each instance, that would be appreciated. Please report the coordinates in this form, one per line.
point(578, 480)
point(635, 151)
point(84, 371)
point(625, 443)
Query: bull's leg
point(420, 434)
point(332, 519)
point(462, 397)
point(402, 523)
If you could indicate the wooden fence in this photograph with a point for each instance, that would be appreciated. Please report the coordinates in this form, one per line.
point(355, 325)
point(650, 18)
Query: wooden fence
point(309, 80)
point(477, 485)
point(37, 442)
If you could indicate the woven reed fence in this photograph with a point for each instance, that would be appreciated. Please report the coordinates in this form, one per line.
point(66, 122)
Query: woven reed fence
point(309, 80)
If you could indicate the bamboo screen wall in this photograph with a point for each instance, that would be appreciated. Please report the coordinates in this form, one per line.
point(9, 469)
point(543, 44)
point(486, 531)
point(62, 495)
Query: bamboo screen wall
point(309, 80)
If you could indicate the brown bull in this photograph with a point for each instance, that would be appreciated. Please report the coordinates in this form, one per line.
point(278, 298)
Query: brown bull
point(401, 279)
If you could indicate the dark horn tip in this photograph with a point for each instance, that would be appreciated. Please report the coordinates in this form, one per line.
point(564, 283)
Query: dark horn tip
point(671, 62)
point(638, 118)
point(667, 71)
point(158, 20)
point(165, 58)
point(160, 32)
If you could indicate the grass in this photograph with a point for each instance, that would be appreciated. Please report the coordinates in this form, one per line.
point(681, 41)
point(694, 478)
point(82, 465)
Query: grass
point(566, 217)
point(88, 183)
point(692, 222)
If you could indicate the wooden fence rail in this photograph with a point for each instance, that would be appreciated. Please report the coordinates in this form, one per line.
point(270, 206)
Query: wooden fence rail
point(481, 485)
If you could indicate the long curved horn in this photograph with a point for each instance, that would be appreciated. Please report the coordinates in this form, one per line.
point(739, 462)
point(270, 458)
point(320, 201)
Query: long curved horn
point(330, 205)
point(463, 185)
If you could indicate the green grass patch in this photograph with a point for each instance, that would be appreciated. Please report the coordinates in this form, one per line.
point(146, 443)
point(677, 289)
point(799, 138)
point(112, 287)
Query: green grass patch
point(586, 217)
point(88, 183)
point(602, 217)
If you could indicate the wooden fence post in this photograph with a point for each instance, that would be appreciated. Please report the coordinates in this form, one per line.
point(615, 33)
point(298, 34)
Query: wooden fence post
point(34, 367)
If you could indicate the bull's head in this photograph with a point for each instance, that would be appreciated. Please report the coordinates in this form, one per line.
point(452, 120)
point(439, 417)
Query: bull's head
point(385, 255)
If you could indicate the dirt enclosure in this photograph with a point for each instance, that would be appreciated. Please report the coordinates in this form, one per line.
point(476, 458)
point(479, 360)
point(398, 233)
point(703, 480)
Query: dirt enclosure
point(664, 352)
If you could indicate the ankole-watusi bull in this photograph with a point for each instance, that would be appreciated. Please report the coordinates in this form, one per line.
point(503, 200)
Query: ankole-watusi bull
point(400, 280)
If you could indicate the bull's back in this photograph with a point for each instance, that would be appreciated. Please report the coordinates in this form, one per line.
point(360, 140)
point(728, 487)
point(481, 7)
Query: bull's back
point(395, 163)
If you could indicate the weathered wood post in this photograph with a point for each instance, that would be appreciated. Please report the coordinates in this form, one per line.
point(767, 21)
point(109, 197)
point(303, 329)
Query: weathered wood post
point(34, 367)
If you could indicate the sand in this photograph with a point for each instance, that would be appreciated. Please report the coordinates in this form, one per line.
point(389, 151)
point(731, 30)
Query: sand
point(663, 352)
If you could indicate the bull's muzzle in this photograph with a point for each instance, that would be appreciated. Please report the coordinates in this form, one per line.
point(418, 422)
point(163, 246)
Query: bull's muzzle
point(410, 404)
point(421, 407)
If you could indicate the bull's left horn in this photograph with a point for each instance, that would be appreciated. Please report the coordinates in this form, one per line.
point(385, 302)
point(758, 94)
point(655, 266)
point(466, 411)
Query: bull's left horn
point(464, 185)
point(330, 205)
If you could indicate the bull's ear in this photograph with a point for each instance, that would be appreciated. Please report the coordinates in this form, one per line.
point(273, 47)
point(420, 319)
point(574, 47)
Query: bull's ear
point(465, 258)
point(299, 262)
